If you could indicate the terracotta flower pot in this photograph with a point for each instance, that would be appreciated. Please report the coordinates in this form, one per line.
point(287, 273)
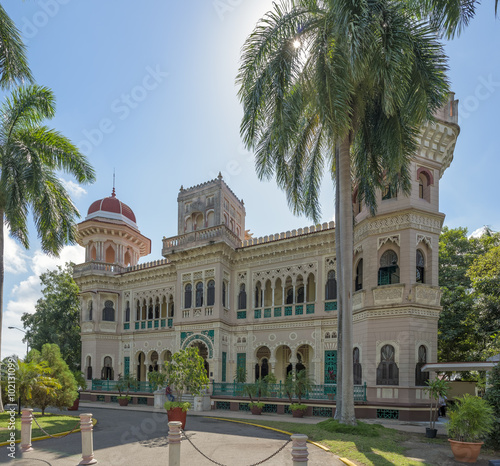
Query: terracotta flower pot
point(123, 401)
point(177, 414)
point(75, 406)
point(298, 413)
point(466, 452)
point(256, 410)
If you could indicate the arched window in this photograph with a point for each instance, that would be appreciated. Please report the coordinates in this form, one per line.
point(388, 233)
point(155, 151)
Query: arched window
point(357, 370)
point(424, 183)
point(108, 313)
point(107, 372)
point(90, 310)
point(289, 296)
point(224, 288)
point(331, 286)
point(89, 368)
point(242, 297)
point(187, 295)
point(157, 308)
point(388, 273)
point(421, 378)
point(389, 192)
point(420, 266)
point(258, 295)
point(211, 293)
point(150, 310)
point(138, 311)
point(127, 312)
point(300, 294)
point(358, 283)
point(199, 294)
point(387, 370)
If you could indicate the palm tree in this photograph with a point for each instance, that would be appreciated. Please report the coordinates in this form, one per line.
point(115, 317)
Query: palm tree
point(355, 77)
point(31, 155)
point(13, 64)
point(450, 17)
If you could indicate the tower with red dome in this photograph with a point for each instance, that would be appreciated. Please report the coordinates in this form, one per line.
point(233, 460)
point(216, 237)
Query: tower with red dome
point(110, 234)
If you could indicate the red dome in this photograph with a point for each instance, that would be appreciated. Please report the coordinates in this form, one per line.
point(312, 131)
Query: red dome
point(112, 205)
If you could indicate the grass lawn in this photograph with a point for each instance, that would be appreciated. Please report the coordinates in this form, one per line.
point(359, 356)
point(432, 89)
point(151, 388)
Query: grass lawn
point(367, 444)
point(52, 423)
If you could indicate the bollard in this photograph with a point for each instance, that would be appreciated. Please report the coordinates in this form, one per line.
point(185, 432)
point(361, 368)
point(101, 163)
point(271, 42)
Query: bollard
point(299, 450)
point(26, 420)
point(174, 443)
point(87, 439)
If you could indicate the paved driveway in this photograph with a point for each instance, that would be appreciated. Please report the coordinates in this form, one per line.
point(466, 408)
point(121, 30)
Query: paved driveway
point(124, 437)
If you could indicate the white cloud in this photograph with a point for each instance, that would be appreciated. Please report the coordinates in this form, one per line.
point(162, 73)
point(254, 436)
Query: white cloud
point(15, 257)
point(74, 189)
point(26, 293)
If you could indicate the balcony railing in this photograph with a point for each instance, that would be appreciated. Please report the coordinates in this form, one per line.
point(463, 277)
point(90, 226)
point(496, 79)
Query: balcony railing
point(199, 238)
point(317, 392)
point(110, 386)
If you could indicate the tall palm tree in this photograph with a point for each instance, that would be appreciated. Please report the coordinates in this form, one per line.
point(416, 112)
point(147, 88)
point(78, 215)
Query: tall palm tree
point(31, 155)
point(359, 77)
point(13, 63)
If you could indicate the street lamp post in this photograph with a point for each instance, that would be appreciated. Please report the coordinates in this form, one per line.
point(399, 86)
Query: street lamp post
point(27, 342)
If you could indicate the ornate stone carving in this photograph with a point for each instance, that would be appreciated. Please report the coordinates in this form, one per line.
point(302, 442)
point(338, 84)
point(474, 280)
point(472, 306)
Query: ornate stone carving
point(384, 239)
point(389, 294)
point(425, 294)
point(424, 239)
point(358, 300)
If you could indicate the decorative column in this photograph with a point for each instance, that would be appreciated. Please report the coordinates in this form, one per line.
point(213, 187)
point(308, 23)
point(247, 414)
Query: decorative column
point(174, 443)
point(26, 420)
point(87, 439)
point(299, 450)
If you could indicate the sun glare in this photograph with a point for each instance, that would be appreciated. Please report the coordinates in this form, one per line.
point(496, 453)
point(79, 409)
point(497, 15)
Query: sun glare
point(296, 43)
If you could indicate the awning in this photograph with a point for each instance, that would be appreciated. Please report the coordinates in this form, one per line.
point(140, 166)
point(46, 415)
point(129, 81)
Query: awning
point(458, 366)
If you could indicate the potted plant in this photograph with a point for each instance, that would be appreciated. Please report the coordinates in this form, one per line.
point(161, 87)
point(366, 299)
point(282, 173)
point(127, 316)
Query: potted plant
point(471, 419)
point(255, 391)
point(185, 374)
point(437, 388)
point(80, 380)
point(125, 384)
point(299, 386)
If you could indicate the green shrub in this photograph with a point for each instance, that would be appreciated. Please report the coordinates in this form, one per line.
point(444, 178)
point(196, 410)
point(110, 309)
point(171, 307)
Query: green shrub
point(177, 404)
point(471, 419)
point(297, 407)
point(493, 398)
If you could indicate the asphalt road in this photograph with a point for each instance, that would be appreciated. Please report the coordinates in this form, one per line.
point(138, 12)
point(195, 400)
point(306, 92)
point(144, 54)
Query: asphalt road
point(123, 438)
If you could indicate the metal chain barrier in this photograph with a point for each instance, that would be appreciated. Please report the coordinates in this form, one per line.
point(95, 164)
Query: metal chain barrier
point(220, 464)
point(55, 436)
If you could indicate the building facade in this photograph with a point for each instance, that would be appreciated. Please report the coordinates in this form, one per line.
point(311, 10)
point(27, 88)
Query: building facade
point(268, 305)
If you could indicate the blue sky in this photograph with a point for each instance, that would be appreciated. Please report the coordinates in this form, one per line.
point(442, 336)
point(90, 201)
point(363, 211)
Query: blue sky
point(150, 91)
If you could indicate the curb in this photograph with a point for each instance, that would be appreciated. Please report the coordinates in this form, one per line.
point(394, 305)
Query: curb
point(45, 437)
point(316, 444)
point(348, 462)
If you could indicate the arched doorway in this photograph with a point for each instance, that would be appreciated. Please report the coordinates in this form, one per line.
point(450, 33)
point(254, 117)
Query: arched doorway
point(141, 367)
point(304, 358)
point(153, 366)
point(203, 352)
point(262, 366)
point(107, 370)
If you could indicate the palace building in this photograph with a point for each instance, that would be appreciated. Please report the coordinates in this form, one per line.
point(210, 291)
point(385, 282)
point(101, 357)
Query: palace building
point(268, 304)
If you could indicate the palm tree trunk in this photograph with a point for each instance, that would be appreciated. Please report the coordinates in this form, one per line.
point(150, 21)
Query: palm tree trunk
point(338, 254)
point(347, 246)
point(1, 294)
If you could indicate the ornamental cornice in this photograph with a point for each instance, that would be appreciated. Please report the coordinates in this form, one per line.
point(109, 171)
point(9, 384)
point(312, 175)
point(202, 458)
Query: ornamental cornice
point(383, 313)
point(414, 219)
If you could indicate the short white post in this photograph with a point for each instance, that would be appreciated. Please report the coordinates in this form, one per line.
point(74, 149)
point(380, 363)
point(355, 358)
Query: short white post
point(26, 420)
point(174, 443)
point(299, 450)
point(87, 429)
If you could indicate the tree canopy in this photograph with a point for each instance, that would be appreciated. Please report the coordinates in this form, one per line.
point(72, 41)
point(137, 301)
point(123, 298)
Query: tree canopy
point(57, 316)
point(469, 275)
